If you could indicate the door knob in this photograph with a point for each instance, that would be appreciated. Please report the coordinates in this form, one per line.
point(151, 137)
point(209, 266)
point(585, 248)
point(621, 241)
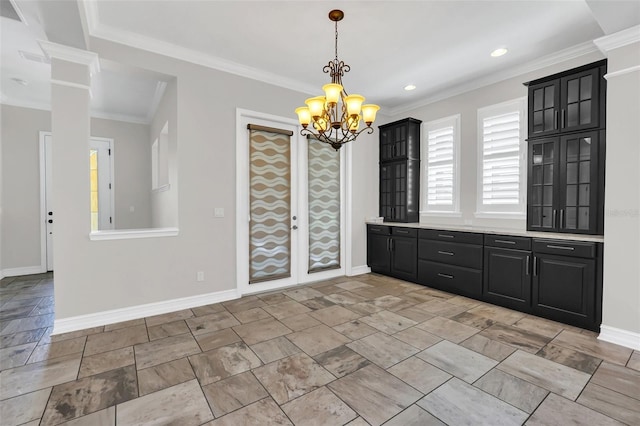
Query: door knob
point(50, 213)
point(294, 217)
point(50, 221)
point(294, 227)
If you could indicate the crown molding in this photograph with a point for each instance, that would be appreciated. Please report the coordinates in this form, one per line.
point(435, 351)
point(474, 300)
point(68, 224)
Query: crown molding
point(619, 39)
point(119, 117)
point(71, 54)
point(21, 103)
point(546, 61)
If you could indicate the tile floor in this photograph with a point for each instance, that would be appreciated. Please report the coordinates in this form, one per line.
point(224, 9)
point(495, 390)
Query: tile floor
point(365, 350)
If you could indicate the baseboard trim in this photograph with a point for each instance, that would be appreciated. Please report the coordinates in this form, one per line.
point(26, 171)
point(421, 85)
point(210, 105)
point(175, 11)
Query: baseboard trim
point(27, 270)
point(81, 322)
point(620, 337)
point(359, 270)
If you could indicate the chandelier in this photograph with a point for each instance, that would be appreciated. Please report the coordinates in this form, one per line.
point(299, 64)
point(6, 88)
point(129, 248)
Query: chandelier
point(336, 116)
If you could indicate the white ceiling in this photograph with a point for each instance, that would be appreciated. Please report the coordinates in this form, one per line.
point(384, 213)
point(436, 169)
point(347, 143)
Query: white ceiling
point(440, 46)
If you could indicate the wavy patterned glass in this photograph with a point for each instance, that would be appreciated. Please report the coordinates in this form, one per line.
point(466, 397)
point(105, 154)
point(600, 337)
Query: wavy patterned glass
point(270, 206)
point(324, 207)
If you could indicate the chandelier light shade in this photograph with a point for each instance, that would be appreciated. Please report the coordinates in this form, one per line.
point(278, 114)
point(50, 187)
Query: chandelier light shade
point(336, 117)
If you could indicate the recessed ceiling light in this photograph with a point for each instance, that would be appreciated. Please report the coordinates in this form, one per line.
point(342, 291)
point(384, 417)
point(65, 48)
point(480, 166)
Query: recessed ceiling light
point(20, 81)
point(409, 87)
point(499, 52)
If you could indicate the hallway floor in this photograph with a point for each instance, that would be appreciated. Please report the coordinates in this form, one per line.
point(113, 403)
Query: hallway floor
point(365, 350)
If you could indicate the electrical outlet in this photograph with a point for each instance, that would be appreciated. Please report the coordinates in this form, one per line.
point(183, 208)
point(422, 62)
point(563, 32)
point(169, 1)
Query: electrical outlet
point(200, 276)
point(218, 212)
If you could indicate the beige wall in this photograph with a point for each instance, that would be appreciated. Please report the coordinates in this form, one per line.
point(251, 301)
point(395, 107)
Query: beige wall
point(621, 298)
point(467, 105)
point(20, 168)
point(132, 171)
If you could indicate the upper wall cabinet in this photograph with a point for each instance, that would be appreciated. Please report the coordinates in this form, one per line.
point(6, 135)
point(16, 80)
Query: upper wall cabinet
point(400, 170)
point(567, 102)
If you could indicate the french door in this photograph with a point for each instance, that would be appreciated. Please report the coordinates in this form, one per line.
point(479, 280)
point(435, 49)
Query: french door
point(289, 205)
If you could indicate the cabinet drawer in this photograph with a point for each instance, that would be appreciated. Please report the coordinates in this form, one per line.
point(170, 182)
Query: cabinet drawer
point(379, 229)
point(565, 248)
point(451, 236)
point(466, 255)
point(404, 232)
point(455, 279)
point(504, 241)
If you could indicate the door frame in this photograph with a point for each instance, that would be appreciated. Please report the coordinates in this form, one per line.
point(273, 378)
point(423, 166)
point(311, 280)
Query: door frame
point(112, 190)
point(242, 208)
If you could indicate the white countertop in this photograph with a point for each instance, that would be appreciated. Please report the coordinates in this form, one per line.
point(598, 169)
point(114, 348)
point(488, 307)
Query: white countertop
point(497, 231)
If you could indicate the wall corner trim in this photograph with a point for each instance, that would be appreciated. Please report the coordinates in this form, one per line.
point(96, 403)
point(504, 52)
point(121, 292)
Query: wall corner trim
point(65, 325)
point(619, 39)
point(359, 270)
point(620, 337)
point(71, 54)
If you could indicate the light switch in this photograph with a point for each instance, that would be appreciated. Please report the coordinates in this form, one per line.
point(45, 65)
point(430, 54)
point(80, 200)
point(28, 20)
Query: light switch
point(218, 212)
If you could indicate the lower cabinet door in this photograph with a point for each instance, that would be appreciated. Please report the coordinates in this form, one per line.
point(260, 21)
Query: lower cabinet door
point(378, 254)
point(454, 279)
point(564, 289)
point(507, 279)
point(404, 263)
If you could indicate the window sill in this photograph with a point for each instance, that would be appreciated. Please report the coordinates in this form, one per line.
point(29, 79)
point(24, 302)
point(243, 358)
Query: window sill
point(128, 234)
point(441, 214)
point(162, 188)
point(500, 215)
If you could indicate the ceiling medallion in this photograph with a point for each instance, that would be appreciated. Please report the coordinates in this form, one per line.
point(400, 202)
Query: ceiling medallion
point(336, 116)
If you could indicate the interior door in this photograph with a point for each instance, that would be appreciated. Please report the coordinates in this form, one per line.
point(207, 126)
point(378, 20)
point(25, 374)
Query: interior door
point(48, 198)
point(101, 184)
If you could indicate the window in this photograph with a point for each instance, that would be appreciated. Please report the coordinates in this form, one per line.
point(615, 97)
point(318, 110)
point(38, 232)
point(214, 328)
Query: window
point(441, 166)
point(501, 159)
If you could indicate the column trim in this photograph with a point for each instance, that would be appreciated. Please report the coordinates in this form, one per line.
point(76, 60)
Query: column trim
point(71, 54)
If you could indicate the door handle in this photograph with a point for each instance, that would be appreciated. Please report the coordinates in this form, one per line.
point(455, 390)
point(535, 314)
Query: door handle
point(446, 276)
point(535, 266)
point(50, 221)
point(388, 244)
point(445, 236)
point(551, 246)
point(526, 267)
point(562, 118)
point(554, 218)
point(561, 218)
point(555, 120)
point(448, 253)
point(505, 241)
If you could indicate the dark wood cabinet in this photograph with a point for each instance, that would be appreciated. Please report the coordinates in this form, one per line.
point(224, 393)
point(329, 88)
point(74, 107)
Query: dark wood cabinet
point(400, 170)
point(565, 189)
point(392, 251)
point(507, 272)
point(564, 282)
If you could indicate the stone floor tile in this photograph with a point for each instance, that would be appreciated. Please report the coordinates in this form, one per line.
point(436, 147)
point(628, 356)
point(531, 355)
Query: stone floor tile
point(201, 311)
point(21, 338)
point(498, 314)
point(182, 404)
point(358, 421)
point(374, 394)
point(273, 298)
point(163, 376)
point(417, 338)
point(334, 315)
point(87, 395)
point(621, 407)
point(244, 303)
point(15, 356)
point(473, 320)
point(415, 313)
point(116, 339)
point(487, 347)
point(263, 412)
point(292, 377)
point(106, 417)
point(419, 374)
point(448, 329)
point(233, 393)
point(458, 361)
point(169, 317)
point(318, 339)
point(414, 416)
point(382, 349)
point(457, 402)
point(388, 322)
point(124, 324)
point(441, 308)
point(32, 377)
point(286, 309)
point(350, 285)
point(251, 315)
point(24, 408)
point(540, 326)
point(17, 312)
point(355, 329)
point(47, 338)
point(317, 303)
point(517, 337)
point(563, 380)
point(58, 349)
point(217, 339)
point(274, 349)
point(167, 329)
point(304, 293)
point(300, 322)
point(211, 322)
point(556, 410)
point(517, 392)
point(617, 378)
point(25, 324)
point(610, 352)
point(388, 301)
point(345, 298)
point(261, 331)
point(464, 301)
point(318, 408)
point(570, 358)
point(341, 361)
point(364, 308)
point(223, 362)
point(634, 361)
point(165, 350)
point(106, 361)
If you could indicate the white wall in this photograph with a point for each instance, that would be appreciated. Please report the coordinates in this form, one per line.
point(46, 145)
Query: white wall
point(467, 105)
point(132, 171)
